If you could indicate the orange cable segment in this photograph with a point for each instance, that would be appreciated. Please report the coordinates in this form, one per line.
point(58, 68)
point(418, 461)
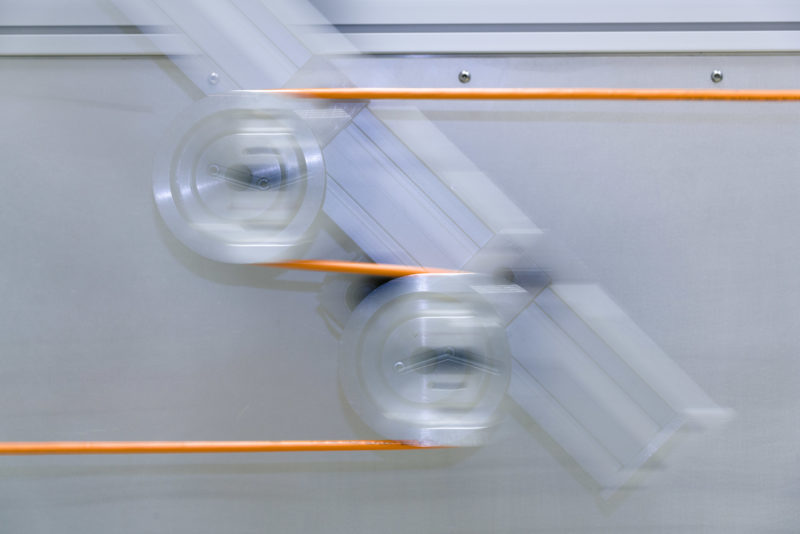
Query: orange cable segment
point(182, 447)
point(352, 267)
point(399, 93)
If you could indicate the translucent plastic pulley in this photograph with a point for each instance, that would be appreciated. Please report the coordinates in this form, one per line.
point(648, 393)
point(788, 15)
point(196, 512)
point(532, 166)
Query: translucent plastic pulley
point(240, 179)
point(425, 357)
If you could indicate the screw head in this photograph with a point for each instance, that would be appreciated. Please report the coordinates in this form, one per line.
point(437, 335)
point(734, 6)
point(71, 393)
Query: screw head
point(399, 366)
point(213, 78)
point(464, 76)
point(716, 76)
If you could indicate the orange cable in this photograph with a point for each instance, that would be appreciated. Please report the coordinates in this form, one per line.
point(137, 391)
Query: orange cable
point(353, 267)
point(557, 93)
point(182, 447)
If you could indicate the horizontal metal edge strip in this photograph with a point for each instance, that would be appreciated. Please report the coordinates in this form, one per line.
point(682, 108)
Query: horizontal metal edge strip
point(569, 42)
point(564, 27)
point(77, 29)
point(95, 45)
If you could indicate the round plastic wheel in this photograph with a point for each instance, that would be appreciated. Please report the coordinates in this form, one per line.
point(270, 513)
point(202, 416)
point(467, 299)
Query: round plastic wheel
point(240, 179)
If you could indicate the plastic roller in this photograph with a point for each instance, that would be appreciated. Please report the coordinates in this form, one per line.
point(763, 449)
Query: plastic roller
point(240, 179)
point(425, 357)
